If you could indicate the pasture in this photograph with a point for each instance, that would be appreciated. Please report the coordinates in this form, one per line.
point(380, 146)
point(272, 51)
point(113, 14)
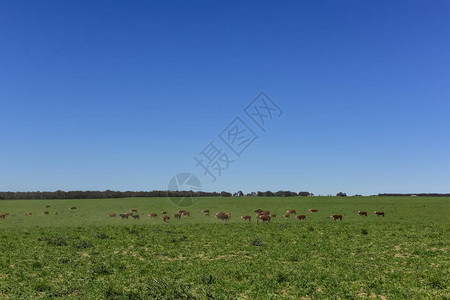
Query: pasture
point(85, 254)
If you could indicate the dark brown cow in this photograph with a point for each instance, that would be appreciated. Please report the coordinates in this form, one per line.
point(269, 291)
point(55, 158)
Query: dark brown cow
point(28, 214)
point(362, 213)
point(181, 211)
point(152, 215)
point(112, 215)
point(291, 211)
point(73, 207)
point(46, 212)
point(313, 210)
point(265, 212)
point(287, 216)
point(258, 211)
point(223, 217)
point(7, 214)
point(301, 217)
point(124, 216)
point(264, 218)
point(177, 216)
point(246, 218)
point(165, 218)
point(379, 213)
point(205, 211)
point(135, 216)
point(164, 213)
point(219, 214)
point(186, 213)
point(55, 213)
point(273, 216)
point(134, 210)
point(335, 217)
point(2, 216)
point(47, 206)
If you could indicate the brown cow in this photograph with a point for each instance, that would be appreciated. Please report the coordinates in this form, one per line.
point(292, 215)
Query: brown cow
point(164, 213)
point(265, 212)
point(47, 206)
point(73, 207)
point(379, 213)
point(258, 211)
point(112, 215)
point(186, 213)
point(56, 213)
point(205, 211)
point(7, 214)
point(287, 216)
point(223, 217)
point(135, 216)
point(228, 214)
point(362, 213)
point(165, 218)
point(313, 210)
point(152, 215)
point(335, 217)
point(246, 218)
point(28, 214)
point(134, 210)
point(219, 214)
point(273, 216)
point(177, 216)
point(181, 211)
point(264, 218)
point(46, 212)
point(2, 216)
point(124, 216)
point(291, 211)
point(301, 217)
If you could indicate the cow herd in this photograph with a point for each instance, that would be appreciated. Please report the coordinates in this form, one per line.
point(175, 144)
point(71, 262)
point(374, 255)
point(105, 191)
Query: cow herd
point(261, 215)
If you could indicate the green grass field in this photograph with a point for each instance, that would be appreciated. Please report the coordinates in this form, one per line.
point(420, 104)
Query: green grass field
point(84, 254)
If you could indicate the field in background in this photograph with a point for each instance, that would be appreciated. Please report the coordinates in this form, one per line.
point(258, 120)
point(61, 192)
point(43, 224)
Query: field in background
point(84, 254)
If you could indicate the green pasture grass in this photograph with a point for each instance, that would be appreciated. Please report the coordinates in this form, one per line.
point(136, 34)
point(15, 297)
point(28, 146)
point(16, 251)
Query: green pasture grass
point(84, 254)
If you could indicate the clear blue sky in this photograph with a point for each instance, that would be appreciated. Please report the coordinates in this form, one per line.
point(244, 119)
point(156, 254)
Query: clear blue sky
point(122, 95)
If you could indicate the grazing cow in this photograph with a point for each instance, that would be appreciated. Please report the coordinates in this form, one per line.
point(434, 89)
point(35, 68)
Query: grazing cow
point(313, 210)
point(301, 217)
point(181, 211)
point(379, 213)
point(287, 216)
point(124, 216)
point(258, 211)
point(73, 207)
point(56, 213)
point(46, 212)
point(205, 211)
point(219, 214)
point(223, 217)
point(273, 216)
point(2, 216)
point(135, 216)
point(112, 215)
point(362, 213)
point(246, 218)
point(177, 216)
point(165, 218)
point(265, 212)
point(164, 213)
point(228, 215)
point(186, 213)
point(7, 214)
point(47, 206)
point(335, 217)
point(291, 211)
point(28, 214)
point(134, 210)
point(264, 218)
point(153, 215)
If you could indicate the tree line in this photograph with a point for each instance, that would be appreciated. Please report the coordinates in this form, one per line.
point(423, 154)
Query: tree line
point(117, 194)
point(417, 195)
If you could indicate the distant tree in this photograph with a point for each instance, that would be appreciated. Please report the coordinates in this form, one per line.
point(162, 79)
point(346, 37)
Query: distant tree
point(341, 194)
point(304, 194)
point(225, 194)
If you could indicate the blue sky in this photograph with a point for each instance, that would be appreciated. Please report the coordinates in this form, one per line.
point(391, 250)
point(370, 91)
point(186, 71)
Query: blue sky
point(122, 95)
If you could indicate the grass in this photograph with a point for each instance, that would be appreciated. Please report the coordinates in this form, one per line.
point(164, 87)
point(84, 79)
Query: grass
point(84, 254)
